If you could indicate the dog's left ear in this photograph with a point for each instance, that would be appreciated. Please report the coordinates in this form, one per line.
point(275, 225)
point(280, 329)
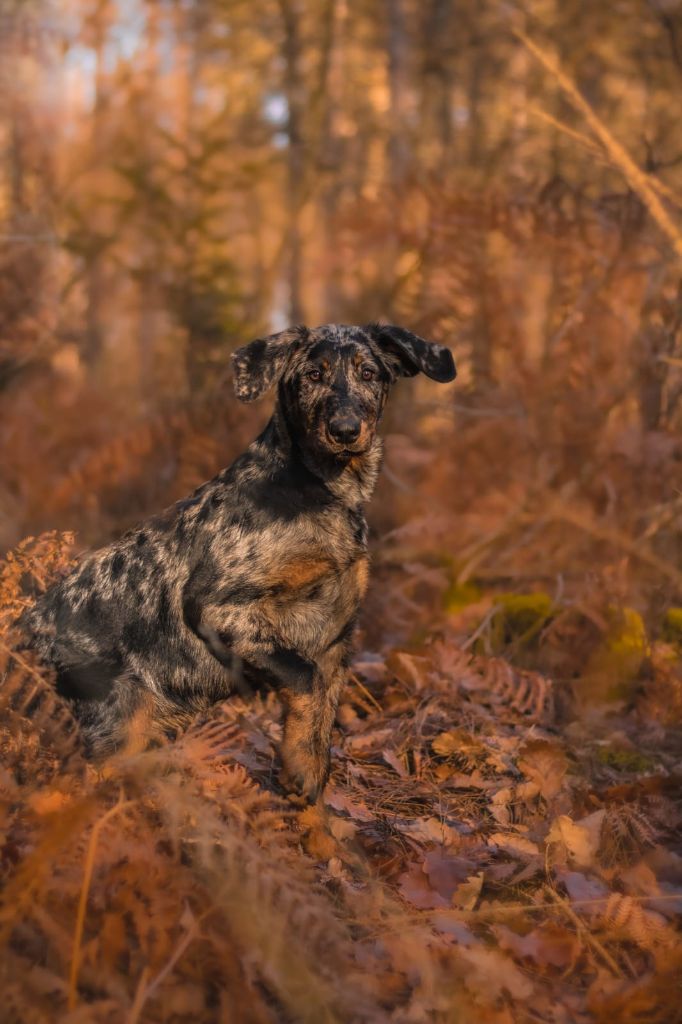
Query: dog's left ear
point(407, 354)
point(260, 364)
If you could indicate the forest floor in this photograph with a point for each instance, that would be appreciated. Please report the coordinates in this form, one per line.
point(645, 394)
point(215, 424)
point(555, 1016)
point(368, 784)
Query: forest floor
point(486, 850)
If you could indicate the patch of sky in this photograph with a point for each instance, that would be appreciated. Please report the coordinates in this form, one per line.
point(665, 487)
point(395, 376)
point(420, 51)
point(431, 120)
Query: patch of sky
point(128, 31)
point(276, 108)
point(81, 61)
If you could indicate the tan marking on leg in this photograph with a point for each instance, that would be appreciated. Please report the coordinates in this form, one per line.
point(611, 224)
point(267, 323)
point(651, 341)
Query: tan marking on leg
point(141, 728)
point(300, 573)
point(361, 568)
point(309, 719)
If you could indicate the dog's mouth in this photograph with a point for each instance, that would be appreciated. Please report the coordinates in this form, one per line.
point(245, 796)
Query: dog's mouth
point(348, 451)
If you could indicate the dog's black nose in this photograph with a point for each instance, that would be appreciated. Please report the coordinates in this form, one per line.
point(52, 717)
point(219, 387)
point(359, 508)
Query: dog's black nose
point(345, 429)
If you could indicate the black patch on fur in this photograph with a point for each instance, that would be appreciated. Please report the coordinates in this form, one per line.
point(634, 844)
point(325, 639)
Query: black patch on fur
point(89, 681)
point(290, 492)
point(137, 634)
point(358, 526)
point(242, 593)
point(117, 565)
point(411, 354)
point(345, 633)
point(291, 669)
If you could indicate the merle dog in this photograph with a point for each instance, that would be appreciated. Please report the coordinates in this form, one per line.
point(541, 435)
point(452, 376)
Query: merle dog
point(255, 577)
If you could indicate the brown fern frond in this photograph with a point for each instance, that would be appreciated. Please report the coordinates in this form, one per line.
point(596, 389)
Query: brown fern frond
point(34, 563)
point(625, 833)
point(38, 733)
point(631, 921)
point(527, 693)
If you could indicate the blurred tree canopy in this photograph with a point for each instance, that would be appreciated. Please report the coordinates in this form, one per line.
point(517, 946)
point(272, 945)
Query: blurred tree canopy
point(179, 174)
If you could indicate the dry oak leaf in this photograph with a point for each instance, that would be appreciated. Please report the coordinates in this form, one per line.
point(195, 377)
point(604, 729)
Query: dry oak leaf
point(545, 765)
point(499, 805)
point(342, 828)
point(513, 843)
point(461, 743)
point(446, 872)
point(467, 895)
point(414, 887)
point(367, 741)
point(474, 780)
point(494, 973)
point(395, 763)
point(590, 893)
point(409, 668)
point(640, 880)
point(340, 802)
point(577, 840)
point(428, 830)
point(549, 945)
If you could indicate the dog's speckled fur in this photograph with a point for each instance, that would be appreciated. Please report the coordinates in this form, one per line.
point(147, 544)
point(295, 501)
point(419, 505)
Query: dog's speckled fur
point(257, 576)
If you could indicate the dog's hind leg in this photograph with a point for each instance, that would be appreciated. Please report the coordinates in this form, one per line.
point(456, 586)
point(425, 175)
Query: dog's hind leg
point(125, 720)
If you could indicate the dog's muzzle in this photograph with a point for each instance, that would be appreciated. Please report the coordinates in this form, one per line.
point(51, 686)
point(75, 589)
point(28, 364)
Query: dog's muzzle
point(344, 430)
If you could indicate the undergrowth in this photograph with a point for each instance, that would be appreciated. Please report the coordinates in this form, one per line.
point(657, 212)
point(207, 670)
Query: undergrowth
point(478, 856)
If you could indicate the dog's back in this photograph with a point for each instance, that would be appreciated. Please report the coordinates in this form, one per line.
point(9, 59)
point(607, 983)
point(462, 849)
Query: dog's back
point(114, 632)
point(124, 627)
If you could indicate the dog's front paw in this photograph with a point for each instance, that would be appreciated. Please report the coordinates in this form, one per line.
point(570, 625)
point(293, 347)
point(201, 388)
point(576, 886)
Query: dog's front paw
point(304, 772)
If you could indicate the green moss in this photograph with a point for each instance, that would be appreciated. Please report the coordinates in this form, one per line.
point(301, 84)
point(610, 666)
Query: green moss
point(459, 595)
point(613, 668)
point(622, 760)
point(672, 626)
point(627, 633)
point(518, 620)
point(524, 612)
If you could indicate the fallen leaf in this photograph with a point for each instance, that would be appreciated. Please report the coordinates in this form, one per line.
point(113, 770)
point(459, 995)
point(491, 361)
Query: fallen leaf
point(467, 895)
point(428, 830)
point(414, 886)
point(549, 945)
point(494, 973)
point(461, 743)
point(340, 802)
point(499, 805)
point(582, 889)
point(409, 669)
point(395, 763)
point(446, 872)
point(515, 844)
point(342, 828)
point(474, 780)
point(578, 840)
point(366, 741)
point(448, 924)
point(544, 763)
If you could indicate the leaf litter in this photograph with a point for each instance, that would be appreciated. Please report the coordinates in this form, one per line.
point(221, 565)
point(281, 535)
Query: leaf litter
point(469, 861)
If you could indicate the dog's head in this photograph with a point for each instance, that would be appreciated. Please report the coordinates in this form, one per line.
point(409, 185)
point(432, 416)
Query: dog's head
point(333, 380)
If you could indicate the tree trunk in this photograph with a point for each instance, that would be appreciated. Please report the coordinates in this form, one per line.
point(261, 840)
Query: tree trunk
point(293, 90)
point(397, 54)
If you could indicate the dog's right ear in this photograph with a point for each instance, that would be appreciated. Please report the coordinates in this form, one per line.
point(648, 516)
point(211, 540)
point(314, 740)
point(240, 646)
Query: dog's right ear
point(260, 364)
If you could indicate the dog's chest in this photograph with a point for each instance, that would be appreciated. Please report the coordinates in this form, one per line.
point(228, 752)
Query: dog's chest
point(316, 589)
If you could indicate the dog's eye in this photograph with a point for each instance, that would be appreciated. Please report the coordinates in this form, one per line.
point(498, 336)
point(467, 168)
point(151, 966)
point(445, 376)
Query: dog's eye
point(367, 373)
point(314, 375)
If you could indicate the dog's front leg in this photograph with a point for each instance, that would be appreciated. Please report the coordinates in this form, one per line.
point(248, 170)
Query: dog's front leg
point(308, 721)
